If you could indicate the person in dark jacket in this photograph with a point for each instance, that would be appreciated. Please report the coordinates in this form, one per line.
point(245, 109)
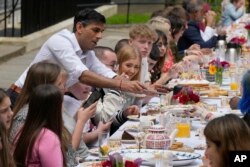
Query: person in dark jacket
point(192, 34)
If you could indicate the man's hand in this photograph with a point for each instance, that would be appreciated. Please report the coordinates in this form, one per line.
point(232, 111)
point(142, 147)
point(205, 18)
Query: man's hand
point(132, 86)
point(194, 52)
point(195, 47)
point(193, 59)
point(210, 18)
point(161, 88)
point(206, 51)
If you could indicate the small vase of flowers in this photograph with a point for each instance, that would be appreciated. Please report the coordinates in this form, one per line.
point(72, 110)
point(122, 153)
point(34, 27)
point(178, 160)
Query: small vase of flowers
point(216, 67)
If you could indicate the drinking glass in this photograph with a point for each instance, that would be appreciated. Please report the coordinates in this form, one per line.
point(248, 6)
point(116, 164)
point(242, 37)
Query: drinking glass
point(183, 127)
point(139, 138)
point(103, 143)
point(224, 101)
point(234, 82)
point(163, 159)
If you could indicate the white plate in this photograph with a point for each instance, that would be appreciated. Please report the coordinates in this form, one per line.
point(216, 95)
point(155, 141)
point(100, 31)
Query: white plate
point(132, 129)
point(95, 151)
point(182, 158)
point(133, 117)
point(177, 109)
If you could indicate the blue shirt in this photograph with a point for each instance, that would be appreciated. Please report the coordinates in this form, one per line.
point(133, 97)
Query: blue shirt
point(230, 14)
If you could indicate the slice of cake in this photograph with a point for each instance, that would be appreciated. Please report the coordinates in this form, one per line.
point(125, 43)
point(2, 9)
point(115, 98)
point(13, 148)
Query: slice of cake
point(127, 136)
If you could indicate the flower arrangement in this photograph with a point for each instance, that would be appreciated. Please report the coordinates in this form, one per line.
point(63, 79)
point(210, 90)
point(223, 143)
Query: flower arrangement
point(116, 160)
point(216, 67)
point(238, 40)
point(186, 96)
point(247, 27)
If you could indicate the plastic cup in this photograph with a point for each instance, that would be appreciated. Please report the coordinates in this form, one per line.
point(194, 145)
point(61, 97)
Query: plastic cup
point(103, 143)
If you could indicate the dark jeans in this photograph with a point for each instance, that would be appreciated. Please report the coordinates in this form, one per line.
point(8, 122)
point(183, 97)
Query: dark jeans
point(13, 97)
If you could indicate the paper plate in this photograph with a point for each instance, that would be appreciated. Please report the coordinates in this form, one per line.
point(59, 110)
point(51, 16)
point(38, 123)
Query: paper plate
point(133, 117)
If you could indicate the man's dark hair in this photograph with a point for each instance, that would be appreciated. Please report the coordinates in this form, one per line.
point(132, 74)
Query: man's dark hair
point(192, 6)
point(87, 16)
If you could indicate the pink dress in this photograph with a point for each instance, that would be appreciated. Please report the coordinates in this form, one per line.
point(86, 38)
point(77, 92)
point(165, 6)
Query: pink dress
point(46, 151)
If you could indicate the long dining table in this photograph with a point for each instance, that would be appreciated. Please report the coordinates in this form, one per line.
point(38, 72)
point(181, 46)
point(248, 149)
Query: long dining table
point(196, 139)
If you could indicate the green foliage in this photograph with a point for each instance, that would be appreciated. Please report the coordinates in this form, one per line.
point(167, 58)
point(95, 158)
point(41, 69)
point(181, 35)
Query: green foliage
point(133, 18)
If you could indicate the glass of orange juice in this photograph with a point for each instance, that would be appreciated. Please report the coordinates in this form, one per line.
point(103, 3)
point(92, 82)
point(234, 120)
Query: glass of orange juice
point(183, 126)
point(103, 143)
point(234, 86)
point(234, 83)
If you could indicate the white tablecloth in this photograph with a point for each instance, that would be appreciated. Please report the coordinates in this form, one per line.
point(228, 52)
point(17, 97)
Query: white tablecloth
point(192, 141)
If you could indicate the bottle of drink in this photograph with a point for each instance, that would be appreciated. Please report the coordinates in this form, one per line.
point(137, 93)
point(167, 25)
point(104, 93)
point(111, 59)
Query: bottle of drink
point(221, 49)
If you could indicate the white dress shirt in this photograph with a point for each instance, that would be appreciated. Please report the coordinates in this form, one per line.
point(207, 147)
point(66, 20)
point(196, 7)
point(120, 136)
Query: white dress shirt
point(208, 33)
point(62, 48)
point(144, 74)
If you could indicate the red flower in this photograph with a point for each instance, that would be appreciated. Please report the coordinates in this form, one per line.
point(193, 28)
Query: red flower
point(183, 99)
point(130, 164)
point(219, 64)
point(106, 164)
point(247, 26)
point(186, 96)
point(238, 40)
point(213, 62)
point(195, 98)
point(225, 64)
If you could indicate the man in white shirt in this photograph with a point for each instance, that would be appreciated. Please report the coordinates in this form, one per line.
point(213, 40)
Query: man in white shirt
point(73, 51)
